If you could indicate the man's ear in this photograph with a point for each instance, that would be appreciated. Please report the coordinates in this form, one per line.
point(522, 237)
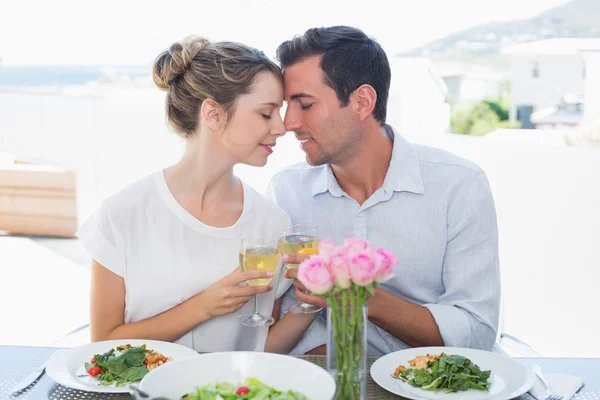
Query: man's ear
point(212, 114)
point(363, 100)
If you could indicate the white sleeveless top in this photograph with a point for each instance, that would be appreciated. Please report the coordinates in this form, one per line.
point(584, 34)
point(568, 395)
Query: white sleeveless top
point(166, 256)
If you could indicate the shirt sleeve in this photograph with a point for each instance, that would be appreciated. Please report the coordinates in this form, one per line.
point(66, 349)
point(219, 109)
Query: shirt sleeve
point(467, 313)
point(100, 237)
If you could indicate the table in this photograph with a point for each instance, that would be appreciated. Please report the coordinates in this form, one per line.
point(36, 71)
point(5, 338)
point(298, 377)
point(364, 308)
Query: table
point(18, 361)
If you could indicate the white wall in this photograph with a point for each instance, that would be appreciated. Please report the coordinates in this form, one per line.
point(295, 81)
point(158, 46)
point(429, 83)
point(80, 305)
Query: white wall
point(592, 85)
point(559, 75)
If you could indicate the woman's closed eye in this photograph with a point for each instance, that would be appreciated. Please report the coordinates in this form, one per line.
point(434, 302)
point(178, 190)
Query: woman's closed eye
point(306, 106)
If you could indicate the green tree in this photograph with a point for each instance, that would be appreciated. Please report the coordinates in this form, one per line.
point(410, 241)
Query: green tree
point(482, 117)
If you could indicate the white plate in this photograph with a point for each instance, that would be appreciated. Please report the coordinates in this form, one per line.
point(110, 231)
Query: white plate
point(278, 371)
point(509, 378)
point(64, 367)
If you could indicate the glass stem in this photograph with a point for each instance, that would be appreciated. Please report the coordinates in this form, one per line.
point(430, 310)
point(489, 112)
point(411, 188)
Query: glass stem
point(302, 302)
point(255, 306)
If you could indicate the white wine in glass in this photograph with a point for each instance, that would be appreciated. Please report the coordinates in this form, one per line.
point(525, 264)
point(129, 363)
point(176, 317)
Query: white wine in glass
point(258, 253)
point(297, 239)
point(265, 260)
point(292, 244)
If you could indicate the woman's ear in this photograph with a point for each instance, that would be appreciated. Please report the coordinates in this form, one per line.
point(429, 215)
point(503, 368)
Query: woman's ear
point(212, 114)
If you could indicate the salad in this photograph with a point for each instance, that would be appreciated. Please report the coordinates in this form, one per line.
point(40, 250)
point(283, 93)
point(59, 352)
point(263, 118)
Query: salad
point(124, 364)
point(451, 373)
point(251, 389)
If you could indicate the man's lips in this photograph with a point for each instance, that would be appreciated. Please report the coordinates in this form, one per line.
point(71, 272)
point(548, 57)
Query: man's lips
point(305, 141)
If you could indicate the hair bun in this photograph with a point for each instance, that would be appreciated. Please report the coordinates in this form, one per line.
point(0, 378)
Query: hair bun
point(174, 62)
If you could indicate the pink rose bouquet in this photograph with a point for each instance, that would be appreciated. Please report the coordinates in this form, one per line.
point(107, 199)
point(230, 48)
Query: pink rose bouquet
point(346, 275)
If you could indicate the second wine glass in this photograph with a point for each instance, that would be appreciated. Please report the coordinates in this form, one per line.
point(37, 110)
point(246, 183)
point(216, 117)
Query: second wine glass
point(300, 239)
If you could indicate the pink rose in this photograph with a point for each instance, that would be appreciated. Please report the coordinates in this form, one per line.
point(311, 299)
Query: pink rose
point(338, 264)
point(314, 274)
point(356, 245)
point(327, 248)
point(385, 261)
point(362, 268)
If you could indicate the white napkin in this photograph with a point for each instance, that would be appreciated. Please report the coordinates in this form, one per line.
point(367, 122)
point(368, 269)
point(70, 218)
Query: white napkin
point(564, 385)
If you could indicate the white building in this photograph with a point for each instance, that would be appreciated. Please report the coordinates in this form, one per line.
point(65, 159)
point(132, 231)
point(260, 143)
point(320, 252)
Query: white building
point(543, 72)
point(592, 83)
point(470, 83)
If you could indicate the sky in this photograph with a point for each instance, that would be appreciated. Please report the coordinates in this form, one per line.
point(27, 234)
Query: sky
point(134, 32)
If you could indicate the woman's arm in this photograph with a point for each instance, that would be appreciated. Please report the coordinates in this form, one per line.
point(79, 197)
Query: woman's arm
point(107, 307)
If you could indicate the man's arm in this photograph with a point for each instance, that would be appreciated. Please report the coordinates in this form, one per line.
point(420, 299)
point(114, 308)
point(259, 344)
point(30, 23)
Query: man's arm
point(411, 323)
point(468, 310)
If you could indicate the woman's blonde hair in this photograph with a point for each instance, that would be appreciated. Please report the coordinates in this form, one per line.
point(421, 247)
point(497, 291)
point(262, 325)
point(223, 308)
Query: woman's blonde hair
point(195, 70)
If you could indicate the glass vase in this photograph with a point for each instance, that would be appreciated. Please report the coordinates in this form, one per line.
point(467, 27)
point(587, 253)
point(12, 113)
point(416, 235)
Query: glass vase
point(347, 344)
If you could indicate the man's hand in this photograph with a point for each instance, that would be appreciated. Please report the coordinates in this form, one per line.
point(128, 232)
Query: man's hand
point(292, 260)
point(292, 273)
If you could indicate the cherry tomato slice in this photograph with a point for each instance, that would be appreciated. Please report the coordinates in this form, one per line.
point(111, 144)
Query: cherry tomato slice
point(242, 390)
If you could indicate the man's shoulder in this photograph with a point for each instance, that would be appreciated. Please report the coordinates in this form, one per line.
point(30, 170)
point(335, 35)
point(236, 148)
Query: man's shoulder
point(441, 160)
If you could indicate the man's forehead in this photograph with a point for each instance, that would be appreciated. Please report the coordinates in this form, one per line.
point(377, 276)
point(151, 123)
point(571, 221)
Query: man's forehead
point(303, 78)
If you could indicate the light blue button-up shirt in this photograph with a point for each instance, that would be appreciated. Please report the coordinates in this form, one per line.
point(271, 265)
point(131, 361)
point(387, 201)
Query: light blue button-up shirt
point(435, 211)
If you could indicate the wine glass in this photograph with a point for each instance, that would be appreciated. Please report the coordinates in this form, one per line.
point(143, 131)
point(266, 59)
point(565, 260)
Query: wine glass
point(303, 239)
point(259, 253)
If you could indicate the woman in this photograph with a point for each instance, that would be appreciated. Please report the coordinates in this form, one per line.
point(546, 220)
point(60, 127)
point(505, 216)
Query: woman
point(165, 249)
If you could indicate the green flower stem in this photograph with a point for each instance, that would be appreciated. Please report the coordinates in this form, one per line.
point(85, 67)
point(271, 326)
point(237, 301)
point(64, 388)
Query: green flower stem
point(352, 370)
point(336, 328)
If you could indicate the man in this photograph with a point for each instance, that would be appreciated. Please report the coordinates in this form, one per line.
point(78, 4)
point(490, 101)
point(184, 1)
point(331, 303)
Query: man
point(434, 210)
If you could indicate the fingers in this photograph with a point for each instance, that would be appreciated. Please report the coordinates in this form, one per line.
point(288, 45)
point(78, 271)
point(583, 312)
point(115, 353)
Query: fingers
point(232, 305)
point(314, 300)
point(251, 290)
point(239, 277)
point(299, 285)
point(294, 258)
point(240, 301)
point(291, 273)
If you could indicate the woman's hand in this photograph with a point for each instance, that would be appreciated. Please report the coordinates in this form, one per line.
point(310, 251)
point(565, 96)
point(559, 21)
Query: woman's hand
point(226, 295)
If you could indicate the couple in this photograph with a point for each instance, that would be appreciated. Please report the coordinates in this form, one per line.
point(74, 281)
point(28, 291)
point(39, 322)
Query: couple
point(165, 249)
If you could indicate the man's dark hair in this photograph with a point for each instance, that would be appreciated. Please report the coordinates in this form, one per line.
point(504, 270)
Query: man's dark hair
point(349, 59)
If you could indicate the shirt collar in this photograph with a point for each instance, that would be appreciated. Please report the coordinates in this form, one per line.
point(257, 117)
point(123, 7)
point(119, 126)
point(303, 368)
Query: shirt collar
point(404, 173)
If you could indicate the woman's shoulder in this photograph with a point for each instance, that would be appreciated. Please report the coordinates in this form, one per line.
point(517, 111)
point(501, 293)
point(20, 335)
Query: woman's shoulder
point(105, 232)
point(130, 197)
